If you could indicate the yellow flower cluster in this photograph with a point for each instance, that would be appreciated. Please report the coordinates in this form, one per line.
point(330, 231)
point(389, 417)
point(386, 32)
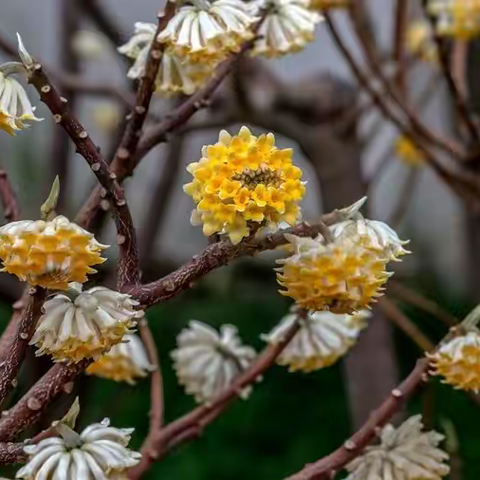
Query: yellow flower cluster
point(50, 254)
point(456, 18)
point(420, 42)
point(244, 181)
point(458, 362)
point(408, 152)
point(329, 4)
point(344, 276)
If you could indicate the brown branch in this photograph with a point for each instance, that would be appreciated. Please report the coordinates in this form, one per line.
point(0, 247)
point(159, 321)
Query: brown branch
point(191, 424)
point(128, 271)
point(11, 358)
point(59, 379)
point(458, 99)
point(399, 53)
point(159, 133)
point(418, 127)
point(217, 255)
point(414, 298)
point(328, 466)
point(131, 136)
point(11, 209)
point(398, 318)
point(12, 453)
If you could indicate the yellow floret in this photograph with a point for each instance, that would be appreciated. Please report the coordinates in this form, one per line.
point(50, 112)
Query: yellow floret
point(242, 181)
point(50, 254)
point(408, 152)
point(456, 18)
point(344, 276)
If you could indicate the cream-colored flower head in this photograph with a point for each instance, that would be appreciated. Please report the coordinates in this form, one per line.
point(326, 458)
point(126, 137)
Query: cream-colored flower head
point(288, 27)
point(373, 234)
point(15, 107)
point(458, 361)
point(176, 75)
point(49, 253)
point(207, 361)
point(207, 31)
point(244, 181)
point(456, 18)
point(405, 453)
point(106, 116)
point(124, 362)
point(99, 452)
point(420, 41)
point(343, 276)
point(322, 339)
point(86, 324)
point(89, 45)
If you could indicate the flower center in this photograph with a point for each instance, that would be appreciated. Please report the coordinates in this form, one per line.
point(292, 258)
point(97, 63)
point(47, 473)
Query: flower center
point(262, 175)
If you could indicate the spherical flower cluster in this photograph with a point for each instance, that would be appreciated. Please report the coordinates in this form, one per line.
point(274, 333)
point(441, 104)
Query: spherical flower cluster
point(329, 4)
point(15, 107)
point(456, 18)
point(408, 152)
point(84, 325)
point(458, 361)
point(99, 452)
point(207, 362)
point(405, 453)
point(420, 42)
point(124, 362)
point(49, 253)
point(244, 179)
point(288, 27)
point(373, 234)
point(89, 45)
point(176, 75)
point(323, 338)
point(206, 31)
point(344, 276)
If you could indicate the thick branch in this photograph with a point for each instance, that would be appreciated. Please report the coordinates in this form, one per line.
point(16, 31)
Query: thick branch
point(217, 255)
point(128, 271)
point(11, 358)
point(34, 403)
point(328, 466)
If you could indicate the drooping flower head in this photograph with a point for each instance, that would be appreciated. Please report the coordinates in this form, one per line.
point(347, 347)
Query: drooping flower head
point(99, 452)
point(420, 42)
point(373, 234)
point(456, 18)
point(207, 31)
point(458, 361)
point(124, 362)
point(329, 4)
point(288, 26)
point(244, 179)
point(207, 361)
point(89, 45)
point(79, 325)
point(404, 453)
point(408, 152)
point(344, 276)
point(176, 75)
point(49, 253)
point(16, 111)
point(323, 338)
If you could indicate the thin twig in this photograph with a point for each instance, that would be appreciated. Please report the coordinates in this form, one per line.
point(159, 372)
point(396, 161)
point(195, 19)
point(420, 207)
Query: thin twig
point(131, 135)
point(414, 298)
point(328, 466)
point(11, 209)
point(11, 358)
point(399, 52)
point(395, 315)
point(190, 425)
point(128, 268)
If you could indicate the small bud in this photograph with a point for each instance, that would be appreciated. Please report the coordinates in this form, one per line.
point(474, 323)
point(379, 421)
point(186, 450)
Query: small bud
point(121, 202)
point(350, 445)
point(83, 134)
point(47, 210)
point(25, 57)
point(396, 393)
point(113, 176)
point(57, 118)
point(96, 166)
point(46, 89)
point(24, 336)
